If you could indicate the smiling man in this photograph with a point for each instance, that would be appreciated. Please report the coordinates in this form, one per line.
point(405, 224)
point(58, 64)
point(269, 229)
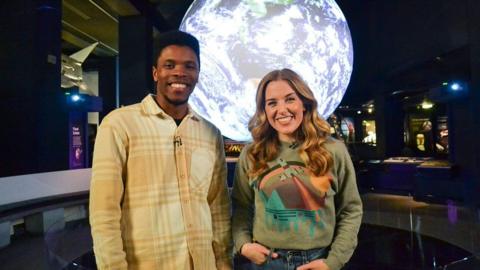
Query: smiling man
point(158, 197)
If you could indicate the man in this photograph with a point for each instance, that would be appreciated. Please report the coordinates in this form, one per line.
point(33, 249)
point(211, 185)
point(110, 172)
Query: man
point(158, 197)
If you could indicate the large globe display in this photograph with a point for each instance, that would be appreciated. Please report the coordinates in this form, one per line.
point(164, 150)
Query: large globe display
point(242, 40)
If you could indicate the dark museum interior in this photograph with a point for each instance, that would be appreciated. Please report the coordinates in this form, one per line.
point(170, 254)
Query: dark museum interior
point(409, 117)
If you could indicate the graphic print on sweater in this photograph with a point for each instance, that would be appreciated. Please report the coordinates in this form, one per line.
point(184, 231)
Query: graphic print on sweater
point(291, 195)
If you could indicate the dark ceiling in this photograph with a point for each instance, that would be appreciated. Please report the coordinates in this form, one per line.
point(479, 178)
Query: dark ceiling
point(87, 21)
point(415, 57)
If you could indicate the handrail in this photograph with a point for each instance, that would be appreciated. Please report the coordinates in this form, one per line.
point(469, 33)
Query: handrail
point(25, 208)
point(26, 194)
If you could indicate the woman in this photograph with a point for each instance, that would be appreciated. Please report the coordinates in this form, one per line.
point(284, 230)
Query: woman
point(296, 203)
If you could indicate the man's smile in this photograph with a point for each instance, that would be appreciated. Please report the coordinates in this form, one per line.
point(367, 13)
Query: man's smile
point(178, 85)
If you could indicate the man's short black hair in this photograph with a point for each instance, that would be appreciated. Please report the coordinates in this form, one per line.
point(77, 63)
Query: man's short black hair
point(176, 37)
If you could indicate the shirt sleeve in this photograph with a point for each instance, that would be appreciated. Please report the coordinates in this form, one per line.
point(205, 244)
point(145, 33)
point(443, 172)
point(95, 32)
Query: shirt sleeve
point(348, 207)
point(106, 193)
point(243, 204)
point(219, 201)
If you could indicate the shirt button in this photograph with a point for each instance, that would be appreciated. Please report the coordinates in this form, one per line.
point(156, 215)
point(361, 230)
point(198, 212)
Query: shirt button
point(182, 175)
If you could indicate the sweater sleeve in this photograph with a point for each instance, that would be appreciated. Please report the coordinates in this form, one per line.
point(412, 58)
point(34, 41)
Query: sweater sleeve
point(219, 202)
point(243, 203)
point(106, 193)
point(348, 207)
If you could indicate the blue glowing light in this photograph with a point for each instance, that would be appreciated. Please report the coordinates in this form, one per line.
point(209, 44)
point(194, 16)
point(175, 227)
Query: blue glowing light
point(455, 86)
point(75, 98)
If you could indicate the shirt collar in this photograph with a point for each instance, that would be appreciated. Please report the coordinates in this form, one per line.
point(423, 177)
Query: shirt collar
point(150, 107)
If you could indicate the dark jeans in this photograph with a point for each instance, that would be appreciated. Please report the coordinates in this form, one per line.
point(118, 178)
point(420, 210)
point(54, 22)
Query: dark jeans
point(289, 259)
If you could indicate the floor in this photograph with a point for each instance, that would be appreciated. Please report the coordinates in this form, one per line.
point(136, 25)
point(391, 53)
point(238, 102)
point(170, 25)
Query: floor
point(397, 233)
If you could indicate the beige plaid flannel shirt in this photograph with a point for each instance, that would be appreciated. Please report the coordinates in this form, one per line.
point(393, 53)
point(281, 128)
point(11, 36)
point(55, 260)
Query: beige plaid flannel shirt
point(158, 197)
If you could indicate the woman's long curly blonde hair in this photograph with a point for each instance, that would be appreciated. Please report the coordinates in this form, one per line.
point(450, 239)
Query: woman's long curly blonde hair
point(312, 134)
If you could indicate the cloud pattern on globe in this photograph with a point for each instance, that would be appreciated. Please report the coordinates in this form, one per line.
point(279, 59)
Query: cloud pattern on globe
point(243, 40)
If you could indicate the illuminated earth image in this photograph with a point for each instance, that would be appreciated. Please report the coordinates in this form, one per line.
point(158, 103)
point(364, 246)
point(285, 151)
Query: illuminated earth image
point(242, 40)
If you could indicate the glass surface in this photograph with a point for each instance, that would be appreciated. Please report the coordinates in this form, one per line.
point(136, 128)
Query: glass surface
point(369, 132)
point(71, 247)
point(379, 248)
point(397, 233)
point(441, 143)
point(467, 263)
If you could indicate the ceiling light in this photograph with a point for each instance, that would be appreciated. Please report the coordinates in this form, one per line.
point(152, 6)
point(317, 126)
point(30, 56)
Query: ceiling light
point(426, 104)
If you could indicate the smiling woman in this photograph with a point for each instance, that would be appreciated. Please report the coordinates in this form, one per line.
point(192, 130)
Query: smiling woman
point(293, 183)
point(284, 109)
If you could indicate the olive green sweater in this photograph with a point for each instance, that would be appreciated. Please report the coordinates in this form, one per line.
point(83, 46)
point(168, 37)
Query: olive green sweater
point(288, 208)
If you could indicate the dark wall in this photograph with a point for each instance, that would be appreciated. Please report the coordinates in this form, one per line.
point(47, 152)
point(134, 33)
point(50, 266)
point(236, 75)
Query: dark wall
point(402, 44)
point(415, 31)
point(18, 34)
point(135, 52)
point(392, 36)
point(470, 159)
point(358, 22)
point(389, 126)
point(107, 84)
point(33, 136)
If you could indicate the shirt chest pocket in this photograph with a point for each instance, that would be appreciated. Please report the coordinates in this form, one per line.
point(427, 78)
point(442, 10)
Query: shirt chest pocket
point(201, 169)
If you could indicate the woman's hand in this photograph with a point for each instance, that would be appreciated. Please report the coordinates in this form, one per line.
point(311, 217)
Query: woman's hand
point(256, 253)
point(314, 265)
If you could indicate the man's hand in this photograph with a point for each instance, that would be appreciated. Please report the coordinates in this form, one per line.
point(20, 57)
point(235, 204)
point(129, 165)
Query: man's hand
point(256, 253)
point(314, 265)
